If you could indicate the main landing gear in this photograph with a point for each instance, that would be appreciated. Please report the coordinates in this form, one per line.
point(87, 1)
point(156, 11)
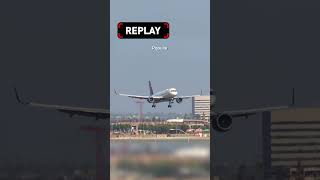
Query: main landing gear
point(171, 101)
point(153, 105)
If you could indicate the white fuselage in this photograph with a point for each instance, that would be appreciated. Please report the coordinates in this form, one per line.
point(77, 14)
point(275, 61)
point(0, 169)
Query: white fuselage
point(166, 94)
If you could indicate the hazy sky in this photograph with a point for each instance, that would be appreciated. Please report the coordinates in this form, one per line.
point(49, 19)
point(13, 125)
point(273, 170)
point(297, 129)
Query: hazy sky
point(185, 65)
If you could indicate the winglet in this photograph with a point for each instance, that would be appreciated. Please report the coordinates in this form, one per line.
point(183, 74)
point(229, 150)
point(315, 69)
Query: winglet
point(18, 97)
point(116, 92)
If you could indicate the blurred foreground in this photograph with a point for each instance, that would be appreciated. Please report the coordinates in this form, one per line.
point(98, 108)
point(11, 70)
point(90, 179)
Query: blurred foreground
point(148, 159)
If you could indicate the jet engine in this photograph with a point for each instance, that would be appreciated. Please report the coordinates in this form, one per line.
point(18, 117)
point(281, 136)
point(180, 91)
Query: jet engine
point(179, 100)
point(222, 123)
point(150, 99)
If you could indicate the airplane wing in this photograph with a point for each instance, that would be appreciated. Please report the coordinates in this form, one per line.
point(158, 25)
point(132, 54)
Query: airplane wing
point(249, 112)
point(184, 97)
point(132, 96)
point(89, 112)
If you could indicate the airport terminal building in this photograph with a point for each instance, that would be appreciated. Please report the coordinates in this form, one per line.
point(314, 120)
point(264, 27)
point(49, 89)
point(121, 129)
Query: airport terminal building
point(201, 107)
point(291, 142)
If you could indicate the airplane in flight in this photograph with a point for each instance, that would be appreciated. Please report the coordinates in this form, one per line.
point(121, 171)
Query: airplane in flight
point(220, 121)
point(168, 95)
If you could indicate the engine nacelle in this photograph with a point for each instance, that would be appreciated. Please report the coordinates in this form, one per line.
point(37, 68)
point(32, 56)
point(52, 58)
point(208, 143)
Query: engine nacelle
point(222, 123)
point(179, 100)
point(150, 99)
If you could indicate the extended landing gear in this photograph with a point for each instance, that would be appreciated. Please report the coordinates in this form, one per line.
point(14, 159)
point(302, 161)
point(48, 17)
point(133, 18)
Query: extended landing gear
point(171, 101)
point(153, 105)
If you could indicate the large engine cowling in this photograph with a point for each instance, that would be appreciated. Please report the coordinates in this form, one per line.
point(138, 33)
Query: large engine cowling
point(179, 100)
point(150, 99)
point(222, 123)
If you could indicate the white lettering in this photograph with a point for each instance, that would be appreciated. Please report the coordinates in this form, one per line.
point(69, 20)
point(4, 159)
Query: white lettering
point(134, 30)
point(157, 29)
point(152, 31)
point(142, 30)
point(159, 48)
point(128, 30)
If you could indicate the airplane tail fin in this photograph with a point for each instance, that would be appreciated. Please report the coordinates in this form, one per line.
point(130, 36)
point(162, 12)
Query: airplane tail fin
point(150, 88)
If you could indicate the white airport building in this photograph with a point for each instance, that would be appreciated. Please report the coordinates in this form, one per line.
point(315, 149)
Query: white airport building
point(201, 107)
